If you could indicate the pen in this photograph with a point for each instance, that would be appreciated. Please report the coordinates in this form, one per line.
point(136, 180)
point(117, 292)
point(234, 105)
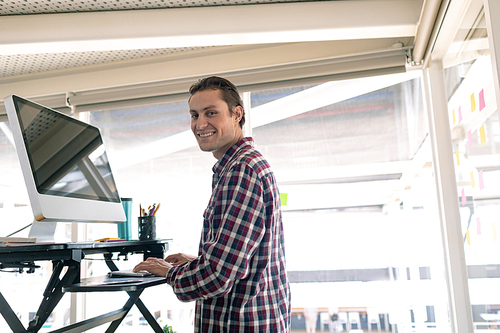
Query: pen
point(151, 211)
point(158, 207)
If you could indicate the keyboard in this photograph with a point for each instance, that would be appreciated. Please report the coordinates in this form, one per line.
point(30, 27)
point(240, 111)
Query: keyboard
point(129, 273)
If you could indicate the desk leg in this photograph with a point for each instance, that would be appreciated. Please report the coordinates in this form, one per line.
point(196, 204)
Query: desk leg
point(149, 317)
point(53, 292)
point(134, 297)
point(140, 305)
point(10, 317)
point(115, 317)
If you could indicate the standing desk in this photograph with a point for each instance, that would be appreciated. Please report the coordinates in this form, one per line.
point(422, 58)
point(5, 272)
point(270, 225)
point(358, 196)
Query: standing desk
point(70, 255)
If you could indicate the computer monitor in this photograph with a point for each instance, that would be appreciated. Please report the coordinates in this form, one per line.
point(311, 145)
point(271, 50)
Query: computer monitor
point(65, 168)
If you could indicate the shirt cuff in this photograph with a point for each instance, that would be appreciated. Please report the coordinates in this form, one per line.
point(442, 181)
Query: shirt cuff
point(169, 274)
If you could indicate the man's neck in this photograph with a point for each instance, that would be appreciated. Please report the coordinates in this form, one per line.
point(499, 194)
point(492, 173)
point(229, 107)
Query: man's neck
point(238, 138)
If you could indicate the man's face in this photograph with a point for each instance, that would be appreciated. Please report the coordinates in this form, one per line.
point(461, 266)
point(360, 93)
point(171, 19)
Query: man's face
point(215, 129)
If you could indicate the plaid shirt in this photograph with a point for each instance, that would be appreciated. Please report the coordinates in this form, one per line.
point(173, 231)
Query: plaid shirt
point(239, 279)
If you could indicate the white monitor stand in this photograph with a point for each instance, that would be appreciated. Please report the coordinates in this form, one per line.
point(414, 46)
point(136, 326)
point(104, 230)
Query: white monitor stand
point(43, 231)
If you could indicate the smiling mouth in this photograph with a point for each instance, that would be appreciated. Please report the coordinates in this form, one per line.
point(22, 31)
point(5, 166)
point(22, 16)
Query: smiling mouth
point(206, 135)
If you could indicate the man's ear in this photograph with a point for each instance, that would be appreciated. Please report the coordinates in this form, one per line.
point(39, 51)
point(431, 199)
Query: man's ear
point(238, 113)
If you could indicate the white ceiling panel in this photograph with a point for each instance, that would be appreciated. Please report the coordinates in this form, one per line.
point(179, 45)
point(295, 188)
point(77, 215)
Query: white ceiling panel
point(73, 46)
point(21, 7)
point(193, 27)
point(20, 64)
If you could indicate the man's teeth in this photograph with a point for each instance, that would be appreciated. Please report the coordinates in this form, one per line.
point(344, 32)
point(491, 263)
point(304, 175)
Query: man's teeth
point(206, 135)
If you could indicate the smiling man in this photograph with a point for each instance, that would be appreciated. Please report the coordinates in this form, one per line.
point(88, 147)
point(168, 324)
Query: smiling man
point(238, 279)
point(216, 127)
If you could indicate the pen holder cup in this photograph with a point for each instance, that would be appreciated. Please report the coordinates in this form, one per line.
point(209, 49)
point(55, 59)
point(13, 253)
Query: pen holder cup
point(147, 227)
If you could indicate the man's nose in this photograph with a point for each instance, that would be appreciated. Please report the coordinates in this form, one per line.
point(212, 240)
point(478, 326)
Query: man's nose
point(201, 122)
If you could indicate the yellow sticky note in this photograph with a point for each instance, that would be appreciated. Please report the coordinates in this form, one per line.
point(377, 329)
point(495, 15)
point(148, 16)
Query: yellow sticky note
point(454, 118)
point(472, 103)
point(472, 182)
point(283, 198)
point(457, 153)
point(468, 237)
point(482, 135)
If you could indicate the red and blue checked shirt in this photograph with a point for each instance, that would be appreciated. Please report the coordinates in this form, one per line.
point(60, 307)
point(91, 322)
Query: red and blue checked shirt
point(239, 278)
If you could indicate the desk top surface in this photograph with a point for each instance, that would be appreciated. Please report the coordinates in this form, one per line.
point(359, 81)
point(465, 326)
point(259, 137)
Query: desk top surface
point(79, 245)
point(104, 283)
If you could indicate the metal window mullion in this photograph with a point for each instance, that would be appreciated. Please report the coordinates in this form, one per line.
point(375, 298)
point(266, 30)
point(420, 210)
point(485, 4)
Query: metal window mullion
point(492, 13)
point(447, 197)
point(247, 105)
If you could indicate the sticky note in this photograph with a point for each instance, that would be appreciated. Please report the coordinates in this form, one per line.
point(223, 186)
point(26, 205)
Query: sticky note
point(464, 199)
point(482, 103)
point(283, 198)
point(478, 222)
point(494, 231)
point(459, 114)
point(482, 135)
point(472, 182)
point(469, 139)
point(481, 182)
point(467, 236)
point(457, 153)
point(472, 103)
point(454, 118)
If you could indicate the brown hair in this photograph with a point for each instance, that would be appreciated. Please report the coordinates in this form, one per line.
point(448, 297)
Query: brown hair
point(229, 92)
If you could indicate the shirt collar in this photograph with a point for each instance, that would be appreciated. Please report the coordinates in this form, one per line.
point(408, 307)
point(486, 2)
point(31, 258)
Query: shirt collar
point(230, 153)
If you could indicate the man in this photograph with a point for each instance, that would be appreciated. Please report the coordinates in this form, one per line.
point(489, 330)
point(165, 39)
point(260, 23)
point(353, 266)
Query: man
point(239, 277)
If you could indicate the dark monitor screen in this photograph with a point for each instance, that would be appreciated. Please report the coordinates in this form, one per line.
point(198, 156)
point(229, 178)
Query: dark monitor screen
point(66, 156)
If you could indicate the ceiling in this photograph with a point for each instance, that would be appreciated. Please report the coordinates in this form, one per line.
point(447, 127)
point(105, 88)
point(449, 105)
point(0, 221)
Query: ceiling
point(97, 54)
point(92, 55)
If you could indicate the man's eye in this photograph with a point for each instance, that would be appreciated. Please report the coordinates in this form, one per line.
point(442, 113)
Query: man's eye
point(211, 113)
point(194, 116)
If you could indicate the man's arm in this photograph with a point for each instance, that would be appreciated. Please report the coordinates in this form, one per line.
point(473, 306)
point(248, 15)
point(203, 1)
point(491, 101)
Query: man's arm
point(179, 258)
point(228, 250)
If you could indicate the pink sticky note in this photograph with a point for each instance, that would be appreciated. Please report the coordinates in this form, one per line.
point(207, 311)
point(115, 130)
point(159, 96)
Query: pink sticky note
point(469, 139)
point(482, 103)
point(481, 183)
point(478, 226)
point(459, 114)
point(464, 199)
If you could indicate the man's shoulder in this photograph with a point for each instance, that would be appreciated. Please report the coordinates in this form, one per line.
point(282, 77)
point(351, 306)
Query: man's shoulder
point(252, 159)
point(244, 156)
point(251, 156)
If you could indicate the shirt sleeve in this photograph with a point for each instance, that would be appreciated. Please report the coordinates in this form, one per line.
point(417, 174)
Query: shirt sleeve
point(236, 230)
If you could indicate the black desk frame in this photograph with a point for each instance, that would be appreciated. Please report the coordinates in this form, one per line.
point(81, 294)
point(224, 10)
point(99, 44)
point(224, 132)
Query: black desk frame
point(70, 255)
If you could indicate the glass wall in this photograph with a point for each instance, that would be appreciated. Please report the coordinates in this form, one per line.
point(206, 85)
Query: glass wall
point(362, 231)
point(357, 213)
point(476, 142)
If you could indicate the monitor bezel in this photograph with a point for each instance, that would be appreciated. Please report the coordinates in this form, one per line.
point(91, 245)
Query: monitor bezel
point(53, 208)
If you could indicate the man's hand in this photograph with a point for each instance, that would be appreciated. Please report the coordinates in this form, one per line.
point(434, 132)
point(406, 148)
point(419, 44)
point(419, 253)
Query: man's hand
point(156, 266)
point(179, 258)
